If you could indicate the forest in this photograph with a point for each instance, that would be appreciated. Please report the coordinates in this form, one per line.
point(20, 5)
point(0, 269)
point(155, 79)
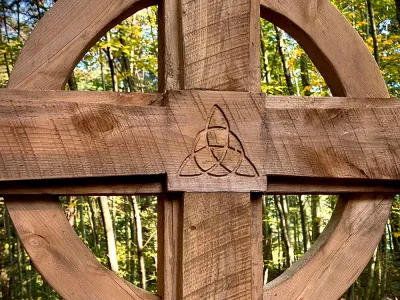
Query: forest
point(122, 230)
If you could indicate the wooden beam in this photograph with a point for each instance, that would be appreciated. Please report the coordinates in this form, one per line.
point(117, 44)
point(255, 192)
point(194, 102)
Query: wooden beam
point(198, 138)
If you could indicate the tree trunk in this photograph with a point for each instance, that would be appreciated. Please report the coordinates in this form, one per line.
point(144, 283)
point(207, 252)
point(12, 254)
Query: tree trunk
point(371, 275)
point(373, 30)
point(139, 242)
point(305, 80)
point(126, 68)
point(304, 227)
point(316, 217)
point(285, 229)
point(93, 225)
point(82, 219)
point(267, 233)
point(72, 82)
point(285, 67)
point(108, 226)
point(110, 57)
point(264, 61)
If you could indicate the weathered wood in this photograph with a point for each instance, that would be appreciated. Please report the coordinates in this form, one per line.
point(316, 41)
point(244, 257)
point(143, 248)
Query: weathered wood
point(63, 259)
point(222, 257)
point(330, 138)
point(288, 185)
point(170, 208)
point(217, 243)
point(349, 69)
point(59, 41)
point(203, 141)
point(170, 237)
point(121, 185)
point(221, 45)
point(49, 69)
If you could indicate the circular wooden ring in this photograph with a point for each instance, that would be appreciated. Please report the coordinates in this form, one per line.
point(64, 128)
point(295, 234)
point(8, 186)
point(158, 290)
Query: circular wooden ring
point(345, 247)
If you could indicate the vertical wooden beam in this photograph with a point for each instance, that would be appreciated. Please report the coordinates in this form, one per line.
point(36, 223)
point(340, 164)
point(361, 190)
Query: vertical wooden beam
point(169, 274)
point(221, 41)
point(211, 45)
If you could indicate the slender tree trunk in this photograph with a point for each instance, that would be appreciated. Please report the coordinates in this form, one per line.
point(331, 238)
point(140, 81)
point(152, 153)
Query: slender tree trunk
point(82, 219)
point(139, 241)
point(305, 80)
point(316, 217)
point(110, 57)
point(126, 68)
point(373, 30)
point(285, 67)
point(108, 226)
point(285, 229)
point(395, 228)
point(264, 60)
point(267, 249)
point(371, 275)
point(103, 82)
point(127, 213)
point(93, 225)
point(73, 86)
point(304, 229)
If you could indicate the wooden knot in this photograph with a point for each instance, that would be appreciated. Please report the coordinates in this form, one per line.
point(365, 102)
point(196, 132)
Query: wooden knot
point(95, 122)
point(36, 241)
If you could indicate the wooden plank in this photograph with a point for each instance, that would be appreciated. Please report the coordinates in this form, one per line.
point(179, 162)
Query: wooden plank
point(122, 185)
point(333, 261)
point(221, 45)
point(217, 243)
point(322, 186)
point(222, 257)
point(89, 135)
point(170, 208)
point(330, 138)
point(64, 35)
point(170, 222)
point(61, 257)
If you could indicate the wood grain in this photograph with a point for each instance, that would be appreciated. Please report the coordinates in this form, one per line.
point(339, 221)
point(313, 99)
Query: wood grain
point(217, 243)
point(60, 255)
point(202, 141)
point(221, 231)
point(349, 69)
point(119, 185)
point(221, 45)
point(57, 44)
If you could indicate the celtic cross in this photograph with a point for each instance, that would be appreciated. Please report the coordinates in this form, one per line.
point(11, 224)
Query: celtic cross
point(209, 144)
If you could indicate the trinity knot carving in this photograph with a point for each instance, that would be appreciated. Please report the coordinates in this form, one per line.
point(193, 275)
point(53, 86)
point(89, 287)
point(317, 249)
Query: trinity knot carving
point(217, 151)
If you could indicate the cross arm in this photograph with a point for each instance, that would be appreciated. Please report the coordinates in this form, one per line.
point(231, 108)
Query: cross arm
point(201, 141)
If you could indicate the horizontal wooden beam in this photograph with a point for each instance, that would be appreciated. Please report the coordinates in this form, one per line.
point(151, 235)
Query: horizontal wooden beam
point(201, 141)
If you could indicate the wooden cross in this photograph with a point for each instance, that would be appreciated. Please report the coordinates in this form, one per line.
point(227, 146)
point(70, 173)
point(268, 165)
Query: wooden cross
point(209, 144)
